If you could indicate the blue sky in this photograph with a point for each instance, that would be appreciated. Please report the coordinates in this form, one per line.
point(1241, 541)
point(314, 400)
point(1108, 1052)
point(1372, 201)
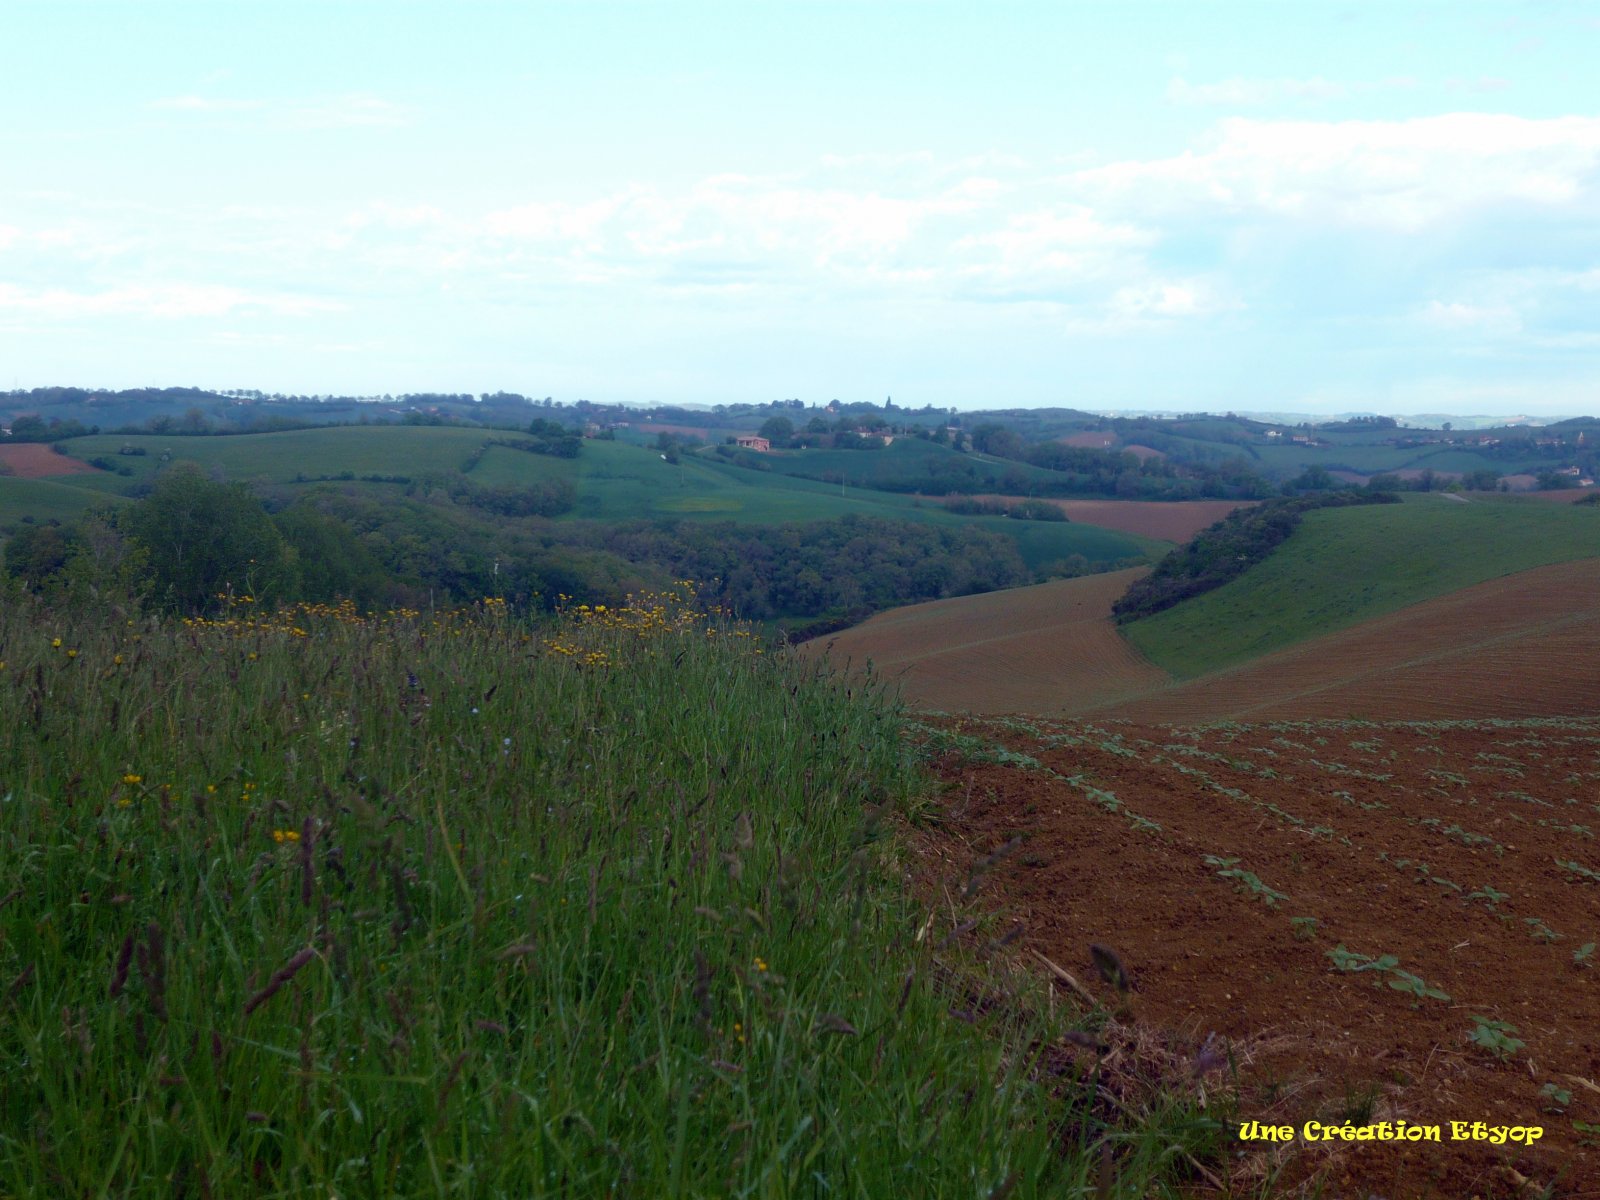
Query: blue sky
point(1367, 206)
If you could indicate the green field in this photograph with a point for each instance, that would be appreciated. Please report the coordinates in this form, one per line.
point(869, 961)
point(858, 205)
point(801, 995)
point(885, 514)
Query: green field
point(1347, 565)
point(282, 457)
point(903, 464)
point(615, 481)
point(48, 499)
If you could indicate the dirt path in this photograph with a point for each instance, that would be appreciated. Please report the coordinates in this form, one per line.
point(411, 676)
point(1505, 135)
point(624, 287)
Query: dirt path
point(1464, 851)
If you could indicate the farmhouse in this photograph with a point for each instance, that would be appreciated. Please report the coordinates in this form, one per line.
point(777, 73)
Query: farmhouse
point(749, 441)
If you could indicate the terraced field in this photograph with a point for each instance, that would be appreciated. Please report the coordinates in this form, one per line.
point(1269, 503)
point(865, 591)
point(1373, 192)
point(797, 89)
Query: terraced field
point(1363, 922)
point(1049, 648)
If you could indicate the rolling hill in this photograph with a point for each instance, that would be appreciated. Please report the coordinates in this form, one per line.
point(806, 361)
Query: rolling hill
point(1522, 645)
point(1344, 566)
point(1429, 610)
point(1048, 648)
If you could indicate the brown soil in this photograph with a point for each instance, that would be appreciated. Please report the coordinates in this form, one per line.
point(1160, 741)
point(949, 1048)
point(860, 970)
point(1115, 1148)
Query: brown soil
point(1089, 440)
point(1520, 646)
point(1171, 521)
point(1561, 495)
point(1143, 452)
point(32, 460)
point(1046, 648)
point(1438, 844)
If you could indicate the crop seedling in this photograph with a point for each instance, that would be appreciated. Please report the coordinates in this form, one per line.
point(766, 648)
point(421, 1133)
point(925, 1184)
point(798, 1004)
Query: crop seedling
point(1247, 880)
point(1488, 895)
point(1556, 1097)
point(1405, 981)
point(1539, 930)
point(1579, 871)
point(1349, 960)
point(1582, 955)
point(1400, 981)
point(1305, 928)
point(1495, 1037)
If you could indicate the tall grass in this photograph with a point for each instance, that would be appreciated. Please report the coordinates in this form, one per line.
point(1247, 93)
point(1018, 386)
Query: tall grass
point(327, 904)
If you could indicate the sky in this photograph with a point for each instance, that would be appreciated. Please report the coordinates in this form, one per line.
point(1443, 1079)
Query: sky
point(1282, 205)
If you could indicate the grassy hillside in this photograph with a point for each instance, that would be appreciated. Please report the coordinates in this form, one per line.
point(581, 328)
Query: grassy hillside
point(1346, 565)
point(46, 499)
point(282, 457)
point(403, 907)
point(614, 481)
point(909, 464)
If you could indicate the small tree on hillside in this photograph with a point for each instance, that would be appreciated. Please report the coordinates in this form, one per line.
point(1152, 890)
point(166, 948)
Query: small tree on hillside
point(205, 538)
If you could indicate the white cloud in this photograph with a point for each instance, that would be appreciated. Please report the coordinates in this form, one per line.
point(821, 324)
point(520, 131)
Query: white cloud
point(1169, 298)
point(1239, 92)
point(205, 104)
point(346, 112)
point(1457, 316)
point(355, 110)
point(1393, 174)
point(1479, 86)
point(162, 300)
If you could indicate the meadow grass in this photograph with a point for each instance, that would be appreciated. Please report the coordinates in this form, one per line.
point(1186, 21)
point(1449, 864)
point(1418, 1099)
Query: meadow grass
point(46, 499)
point(326, 903)
point(1346, 565)
point(282, 457)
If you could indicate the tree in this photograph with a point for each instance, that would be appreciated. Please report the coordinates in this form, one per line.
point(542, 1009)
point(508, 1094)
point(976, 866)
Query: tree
point(37, 553)
point(777, 430)
point(331, 562)
point(205, 538)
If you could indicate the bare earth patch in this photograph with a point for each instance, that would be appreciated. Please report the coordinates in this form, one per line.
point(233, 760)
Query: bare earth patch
point(1253, 880)
point(1089, 440)
point(31, 460)
point(1047, 648)
point(1171, 521)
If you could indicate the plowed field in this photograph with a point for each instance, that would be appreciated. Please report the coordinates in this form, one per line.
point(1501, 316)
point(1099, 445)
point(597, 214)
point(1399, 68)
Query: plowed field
point(1347, 906)
point(31, 460)
point(1047, 648)
point(1523, 645)
point(1177, 521)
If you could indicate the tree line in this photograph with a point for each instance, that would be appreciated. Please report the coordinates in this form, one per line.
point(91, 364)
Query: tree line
point(1226, 550)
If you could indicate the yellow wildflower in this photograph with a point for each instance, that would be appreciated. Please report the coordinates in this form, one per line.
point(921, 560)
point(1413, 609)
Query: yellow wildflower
point(132, 779)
